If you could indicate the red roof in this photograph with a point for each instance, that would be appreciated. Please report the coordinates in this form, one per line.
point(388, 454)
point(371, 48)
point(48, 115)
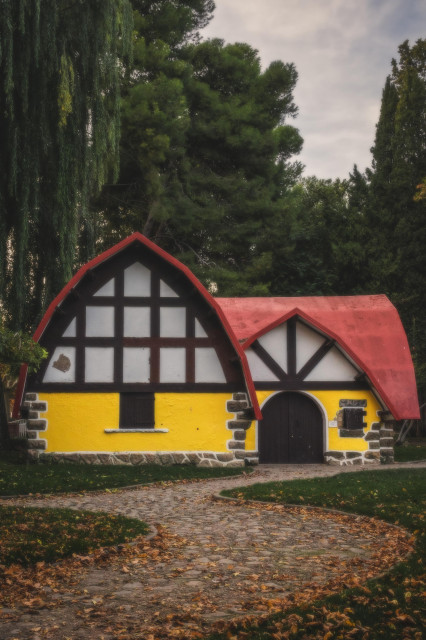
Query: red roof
point(368, 329)
point(134, 238)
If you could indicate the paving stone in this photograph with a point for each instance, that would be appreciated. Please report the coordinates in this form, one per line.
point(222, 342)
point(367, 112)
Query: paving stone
point(260, 546)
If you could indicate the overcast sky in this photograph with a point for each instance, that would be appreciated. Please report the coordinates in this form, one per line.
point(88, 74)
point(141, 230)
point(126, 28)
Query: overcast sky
point(342, 50)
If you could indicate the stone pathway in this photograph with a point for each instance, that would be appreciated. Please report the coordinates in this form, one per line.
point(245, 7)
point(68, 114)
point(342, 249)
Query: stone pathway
point(211, 561)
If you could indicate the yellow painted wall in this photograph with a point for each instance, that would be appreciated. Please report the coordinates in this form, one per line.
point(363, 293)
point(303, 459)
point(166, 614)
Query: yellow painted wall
point(196, 422)
point(330, 402)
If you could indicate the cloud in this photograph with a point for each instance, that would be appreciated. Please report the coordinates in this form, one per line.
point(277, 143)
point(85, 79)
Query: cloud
point(342, 50)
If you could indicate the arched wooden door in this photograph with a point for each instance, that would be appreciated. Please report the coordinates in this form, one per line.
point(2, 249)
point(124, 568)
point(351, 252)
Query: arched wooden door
point(291, 430)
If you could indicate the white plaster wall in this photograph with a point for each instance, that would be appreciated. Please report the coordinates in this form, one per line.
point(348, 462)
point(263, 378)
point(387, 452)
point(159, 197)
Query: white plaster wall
point(172, 364)
point(137, 280)
point(137, 322)
point(334, 367)
point(307, 343)
point(275, 343)
point(53, 374)
point(70, 331)
point(172, 322)
point(108, 289)
point(199, 331)
point(99, 364)
point(207, 366)
point(258, 368)
point(100, 322)
point(136, 364)
point(166, 291)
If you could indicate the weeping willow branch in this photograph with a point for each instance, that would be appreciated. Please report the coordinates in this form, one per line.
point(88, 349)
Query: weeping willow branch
point(60, 69)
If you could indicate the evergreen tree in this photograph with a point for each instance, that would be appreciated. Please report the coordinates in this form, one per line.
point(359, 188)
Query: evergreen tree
point(205, 154)
point(396, 217)
point(59, 126)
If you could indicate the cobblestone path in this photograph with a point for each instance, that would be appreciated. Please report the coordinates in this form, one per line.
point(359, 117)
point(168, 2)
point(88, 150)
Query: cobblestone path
point(211, 561)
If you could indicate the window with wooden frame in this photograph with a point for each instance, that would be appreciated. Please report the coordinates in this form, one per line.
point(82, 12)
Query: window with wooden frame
point(137, 411)
point(354, 418)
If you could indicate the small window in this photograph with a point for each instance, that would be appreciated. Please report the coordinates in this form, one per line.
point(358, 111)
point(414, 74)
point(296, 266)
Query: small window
point(354, 418)
point(137, 411)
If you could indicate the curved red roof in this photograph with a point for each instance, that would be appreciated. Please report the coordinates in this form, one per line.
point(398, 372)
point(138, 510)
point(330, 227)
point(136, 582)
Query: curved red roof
point(368, 329)
point(138, 237)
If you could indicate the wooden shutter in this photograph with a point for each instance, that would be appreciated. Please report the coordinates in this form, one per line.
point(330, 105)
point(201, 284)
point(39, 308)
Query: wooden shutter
point(354, 418)
point(137, 410)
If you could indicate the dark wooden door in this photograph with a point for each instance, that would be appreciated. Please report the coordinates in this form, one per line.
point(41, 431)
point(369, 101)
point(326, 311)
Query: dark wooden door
point(291, 430)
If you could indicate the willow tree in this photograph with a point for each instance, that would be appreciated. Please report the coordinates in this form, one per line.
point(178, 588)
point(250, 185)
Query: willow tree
point(60, 65)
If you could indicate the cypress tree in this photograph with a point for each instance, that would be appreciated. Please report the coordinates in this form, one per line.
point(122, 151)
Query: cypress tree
point(59, 125)
point(396, 217)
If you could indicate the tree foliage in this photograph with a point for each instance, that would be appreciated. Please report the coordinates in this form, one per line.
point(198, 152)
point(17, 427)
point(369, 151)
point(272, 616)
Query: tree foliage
point(59, 126)
point(205, 150)
point(16, 348)
point(396, 213)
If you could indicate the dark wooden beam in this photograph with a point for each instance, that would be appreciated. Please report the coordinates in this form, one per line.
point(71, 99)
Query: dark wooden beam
point(269, 361)
point(315, 359)
point(291, 346)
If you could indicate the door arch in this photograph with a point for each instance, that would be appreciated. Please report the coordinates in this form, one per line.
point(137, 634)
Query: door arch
point(291, 430)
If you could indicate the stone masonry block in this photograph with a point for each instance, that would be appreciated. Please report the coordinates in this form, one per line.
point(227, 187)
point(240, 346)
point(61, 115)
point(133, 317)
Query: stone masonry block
point(339, 455)
point(374, 444)
point(39, 406)
point(225, 457)
point(372, 455)
point(36, 444)
point(240, 435)
point(386, 442)
point(239, 396)
point(239, 424)
point(242, 454)
point(233, 444)
point(30, 397)
point(179, 458)
point(236, 463)
point(205, 463)
point(351, 433)
point(232, 406)
point(372, 435)
point(39, 425)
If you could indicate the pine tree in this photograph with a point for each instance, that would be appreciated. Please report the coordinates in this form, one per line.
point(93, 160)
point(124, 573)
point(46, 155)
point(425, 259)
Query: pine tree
point(59, 126)
point(206, 153)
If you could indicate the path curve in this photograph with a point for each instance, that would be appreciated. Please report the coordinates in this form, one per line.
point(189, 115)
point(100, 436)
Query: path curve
point(211, 561)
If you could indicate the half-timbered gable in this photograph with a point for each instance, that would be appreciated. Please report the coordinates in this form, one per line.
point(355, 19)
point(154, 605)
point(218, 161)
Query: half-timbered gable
point(295, 356)
point(136, 323)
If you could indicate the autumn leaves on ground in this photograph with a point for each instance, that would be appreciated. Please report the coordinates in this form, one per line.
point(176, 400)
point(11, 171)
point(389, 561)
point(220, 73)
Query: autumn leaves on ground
point(391, 606)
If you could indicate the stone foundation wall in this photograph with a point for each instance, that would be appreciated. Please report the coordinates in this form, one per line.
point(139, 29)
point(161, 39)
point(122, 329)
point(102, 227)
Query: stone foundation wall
point(380, 445)
point(197, 458)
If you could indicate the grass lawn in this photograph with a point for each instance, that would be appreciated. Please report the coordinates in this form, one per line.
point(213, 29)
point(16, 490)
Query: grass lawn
point(411, 450)
point(21, 479)
point(43, 535)
point(392, 607)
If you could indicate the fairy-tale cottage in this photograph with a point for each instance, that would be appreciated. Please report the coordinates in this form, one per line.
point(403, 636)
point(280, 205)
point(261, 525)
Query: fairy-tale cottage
point(146, 366)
